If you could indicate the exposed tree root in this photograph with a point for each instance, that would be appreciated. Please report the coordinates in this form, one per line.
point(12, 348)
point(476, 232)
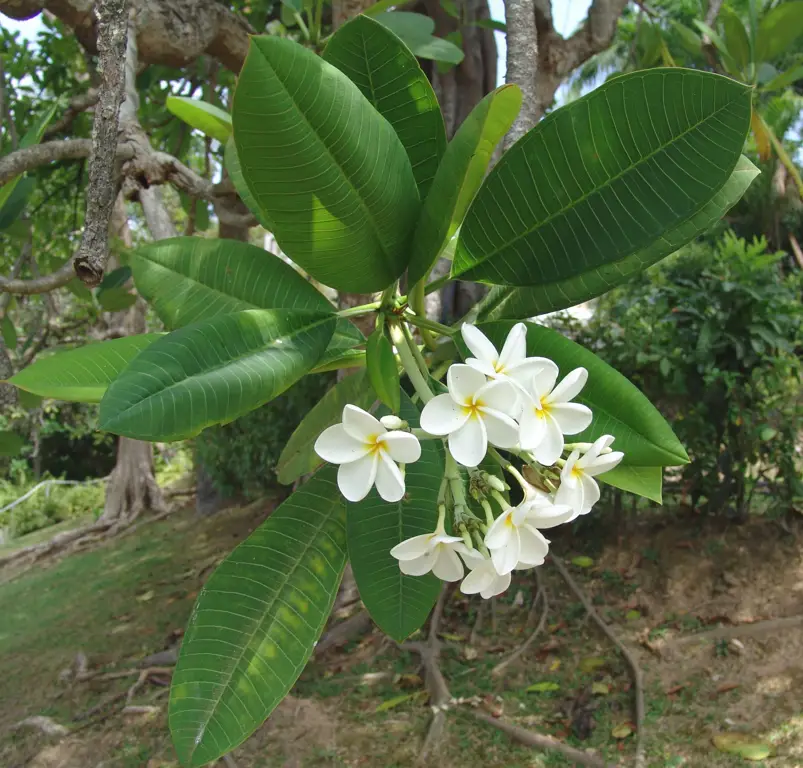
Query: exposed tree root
point(475, 630)
point(540, 596)
point(345, 631)
point(46, 725)
point(726, 633)
point(143, 676)
point(638, 675)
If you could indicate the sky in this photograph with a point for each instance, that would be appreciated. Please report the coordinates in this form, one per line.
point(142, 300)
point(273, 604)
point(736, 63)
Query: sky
point(567, 15)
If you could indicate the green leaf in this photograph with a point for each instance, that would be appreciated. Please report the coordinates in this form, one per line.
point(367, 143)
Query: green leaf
point(497, 26)
point(384, 5)
point(10, 443)
point(297, 6)
point(582, 561)
point(416, 30)
point(504, 302)
point(719, 44)
point(15, 201)
point(325, 166)
point(388, 75)
point(382, 369)
point(618, 406)
point(736, 37)
point(643, 481)
point(28, 400)
point(82, 375)
point(460, 175)
point(545, 687)
point(232, 163)
point(298, 457)
point(399, 604)
point(117, 278)
point(32, 136)
point(742, 744)
point(115, 299)
point(778, 30)
point(783, 80)
point(78, 289)
point(213, 371)
point(256, 622)
point(9, 332)
point(394, 702)
point(187, 279)
point(604, 177)
point(204, 117)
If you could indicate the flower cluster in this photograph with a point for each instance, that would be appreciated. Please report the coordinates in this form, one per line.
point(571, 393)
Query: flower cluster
point(502, 399)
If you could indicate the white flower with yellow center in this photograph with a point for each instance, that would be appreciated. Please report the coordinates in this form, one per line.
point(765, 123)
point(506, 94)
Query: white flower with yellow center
point(367, 454)
point(515, 542)
point(474, 413)
point(511, 362)
point(578, 488)
point(483, 577)
point(549, 414)
point(436, 552)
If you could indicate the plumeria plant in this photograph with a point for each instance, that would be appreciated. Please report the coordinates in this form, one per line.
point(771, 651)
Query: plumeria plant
point(449, 451)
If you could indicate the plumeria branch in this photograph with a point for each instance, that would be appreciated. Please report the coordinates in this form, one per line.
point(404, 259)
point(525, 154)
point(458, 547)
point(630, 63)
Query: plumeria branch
point(430, 325)
point(409, 363)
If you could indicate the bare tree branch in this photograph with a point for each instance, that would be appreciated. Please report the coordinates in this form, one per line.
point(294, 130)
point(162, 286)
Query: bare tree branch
point(522, 64)
point(93, 252)
point(713, 11)
point(50, 282)
point(78, 105)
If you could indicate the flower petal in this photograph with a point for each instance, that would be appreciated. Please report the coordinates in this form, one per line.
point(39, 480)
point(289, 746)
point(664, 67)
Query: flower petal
point(571, 417)
point(548, 451)
point(418, 566)
point(484, 367)
point(448, 566)
point(501, 530)
point(505, 558)
point(515, 349)
point(496, 587)
point(410, 549)
point(360, 424)
point(543, 380)
point(335, 445)
point(356, 478)
point(502, 431)
point(604, 463)
point(590, 493)
point(534, 547)
point(469, 444)
point(442, 415)
point(402, 447)
point(597, 447)
point(567, 474)
point(471, 557)
point(570, 387)
point(479, 579)
point(499, 395)
point(570, 495)
point(389, 479)
point(479, 344)
point(542, 367)
point(463, 382)
point(548, 516)
point(532, 428)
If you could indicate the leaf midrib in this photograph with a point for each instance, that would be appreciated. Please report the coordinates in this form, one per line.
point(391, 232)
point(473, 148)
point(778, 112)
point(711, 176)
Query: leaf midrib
point(285, 580)
point(328, 151)
point(596, 190)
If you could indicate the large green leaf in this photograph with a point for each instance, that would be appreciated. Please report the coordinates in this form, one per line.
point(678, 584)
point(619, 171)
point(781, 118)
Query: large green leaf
point(383, 371)
point(416, 29)
point(619, 408)
point(298, 457)
point(19, 190)
point(82, 375)
point(792, 75)
point(779, 28)
point(32, 136)
point(326, 167)
point(643, 481)
point(201, 115)
point(399, 604)
point(232, 162)
point(187, 279)
point(460, 175)
point(604, 177)
point(213, 371)
point(504, 302)
point(256, 622)
point(10, 443)
point(388, 75)
point(736, 37)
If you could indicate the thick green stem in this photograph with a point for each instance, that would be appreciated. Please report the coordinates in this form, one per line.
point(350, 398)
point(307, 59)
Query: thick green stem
point(418, 305)
point(409, 363)
point(419, 358)
point(436, 284)
point(423, 322)
point(363, 309)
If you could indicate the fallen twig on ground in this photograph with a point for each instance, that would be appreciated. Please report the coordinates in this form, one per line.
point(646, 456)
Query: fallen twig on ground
point(726, 633)
point(142, 677)
point(46, 725)
point(638, 675)
point(539, 741)
point(540, 595)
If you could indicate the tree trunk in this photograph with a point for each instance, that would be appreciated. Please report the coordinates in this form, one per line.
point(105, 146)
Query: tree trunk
point(132, 486)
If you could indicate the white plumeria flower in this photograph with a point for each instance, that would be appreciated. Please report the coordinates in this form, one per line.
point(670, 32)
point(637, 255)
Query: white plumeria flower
point(549, 415)
point(542, 512)
point(483, 577)
point(511, 362)
point(367, 454)
point(514, 542)
point(578, 488)
point(473, 414)
point(436, 552)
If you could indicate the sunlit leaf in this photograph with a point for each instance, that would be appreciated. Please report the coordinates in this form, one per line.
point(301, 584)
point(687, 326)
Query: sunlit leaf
point(207, 118)
point(643, 481)
point(742, 744)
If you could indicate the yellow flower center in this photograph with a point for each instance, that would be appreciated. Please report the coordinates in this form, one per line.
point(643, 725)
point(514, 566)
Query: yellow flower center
point(374, 444)
point(577, 472)
point(472, 408)
point(541, 409)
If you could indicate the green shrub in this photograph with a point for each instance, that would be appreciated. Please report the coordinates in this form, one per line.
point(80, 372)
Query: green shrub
point(713, 336)
point(241, 457)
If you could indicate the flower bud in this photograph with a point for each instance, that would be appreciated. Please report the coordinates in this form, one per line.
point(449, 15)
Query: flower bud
point(392, 422)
